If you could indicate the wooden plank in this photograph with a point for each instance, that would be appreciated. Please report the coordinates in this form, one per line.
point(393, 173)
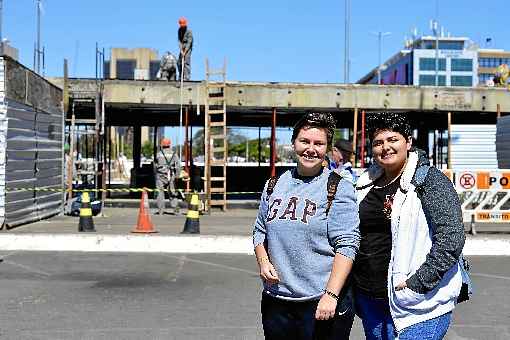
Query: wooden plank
point(220, 124)
point(218, 202)
point(215, 112)
point(216, 85)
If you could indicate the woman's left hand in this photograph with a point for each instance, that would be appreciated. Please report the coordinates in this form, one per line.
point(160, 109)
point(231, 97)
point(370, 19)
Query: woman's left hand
point(326, 308)
point(401, 286)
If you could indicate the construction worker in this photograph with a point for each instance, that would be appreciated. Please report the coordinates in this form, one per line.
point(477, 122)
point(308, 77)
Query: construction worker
point(168, 67)
point(168, 168)
point(341, 154)
point(185, 38)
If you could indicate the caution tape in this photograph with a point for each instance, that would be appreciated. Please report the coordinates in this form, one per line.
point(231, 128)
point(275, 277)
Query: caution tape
point(117, 190)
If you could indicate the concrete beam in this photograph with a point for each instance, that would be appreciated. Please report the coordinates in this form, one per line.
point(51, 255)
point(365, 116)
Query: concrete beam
point(307, 96)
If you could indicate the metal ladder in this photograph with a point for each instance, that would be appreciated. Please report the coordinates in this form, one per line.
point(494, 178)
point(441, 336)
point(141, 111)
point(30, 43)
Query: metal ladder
point(216, 146)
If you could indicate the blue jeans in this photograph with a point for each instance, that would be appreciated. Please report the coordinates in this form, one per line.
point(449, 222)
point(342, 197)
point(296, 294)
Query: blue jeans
point(433, 329)
point(376, 317)
point(283, 319)
point(378, 324)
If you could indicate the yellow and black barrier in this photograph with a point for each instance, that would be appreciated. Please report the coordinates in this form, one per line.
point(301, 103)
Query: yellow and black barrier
point(192, 224)
point(86, 223)
point(9, 190)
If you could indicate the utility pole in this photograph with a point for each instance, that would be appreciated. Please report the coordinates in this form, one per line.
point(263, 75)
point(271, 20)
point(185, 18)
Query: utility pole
point(347, 60)
point(380, 36)
point(37, 49)
point(436, 33)
point(1, 21)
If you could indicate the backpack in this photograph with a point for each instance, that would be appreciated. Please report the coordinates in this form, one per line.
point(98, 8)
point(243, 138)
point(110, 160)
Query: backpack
point(333, 180)
point(467, 286)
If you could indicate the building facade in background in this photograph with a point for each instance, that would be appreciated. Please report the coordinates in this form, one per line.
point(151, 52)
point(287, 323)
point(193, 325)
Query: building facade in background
point(488, 61)
point(416, 65)
point(132, 64)
point(8, 50)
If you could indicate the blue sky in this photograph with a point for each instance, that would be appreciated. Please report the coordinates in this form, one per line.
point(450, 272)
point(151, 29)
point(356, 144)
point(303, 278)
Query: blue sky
point(278, 40)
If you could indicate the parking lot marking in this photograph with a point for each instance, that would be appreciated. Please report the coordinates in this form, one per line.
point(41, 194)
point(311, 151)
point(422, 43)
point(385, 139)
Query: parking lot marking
point(490, 276)
point(215, 265)
point(27, 268)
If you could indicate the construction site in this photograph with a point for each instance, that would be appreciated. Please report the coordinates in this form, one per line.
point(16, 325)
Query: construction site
point(141, 200)
point(84, 113)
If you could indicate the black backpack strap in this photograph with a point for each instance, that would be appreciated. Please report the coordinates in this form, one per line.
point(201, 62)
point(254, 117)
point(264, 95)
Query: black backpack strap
point(333, 180)
point(419, 178)
point(271, 183)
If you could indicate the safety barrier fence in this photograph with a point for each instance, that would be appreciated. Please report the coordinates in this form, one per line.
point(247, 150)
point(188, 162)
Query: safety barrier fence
point(484, 195)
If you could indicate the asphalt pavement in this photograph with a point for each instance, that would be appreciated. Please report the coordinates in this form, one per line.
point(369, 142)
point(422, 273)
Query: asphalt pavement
point(63, 295)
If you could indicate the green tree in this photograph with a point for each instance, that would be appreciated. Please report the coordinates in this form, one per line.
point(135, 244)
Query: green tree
point(147, 149)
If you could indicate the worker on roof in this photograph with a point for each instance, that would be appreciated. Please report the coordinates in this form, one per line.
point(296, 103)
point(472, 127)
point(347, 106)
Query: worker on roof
point(185, 38)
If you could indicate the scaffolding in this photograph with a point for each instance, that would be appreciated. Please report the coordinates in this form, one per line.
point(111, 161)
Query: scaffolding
point(85, 135)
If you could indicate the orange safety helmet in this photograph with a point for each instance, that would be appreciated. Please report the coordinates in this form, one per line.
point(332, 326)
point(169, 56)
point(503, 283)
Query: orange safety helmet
point(165, 142)
point(183, 21)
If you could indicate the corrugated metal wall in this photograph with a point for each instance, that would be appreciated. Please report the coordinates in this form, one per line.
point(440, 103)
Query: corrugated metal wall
point(33, 147)
point(473, 147)
point(34, 151)
point(503, 142)
point(3, 129)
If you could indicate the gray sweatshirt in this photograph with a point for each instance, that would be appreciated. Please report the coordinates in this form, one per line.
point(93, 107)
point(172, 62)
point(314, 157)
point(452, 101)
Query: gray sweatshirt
point(301, 239)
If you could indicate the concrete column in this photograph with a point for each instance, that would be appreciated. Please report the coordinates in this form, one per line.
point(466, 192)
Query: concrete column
point(273, 143)
point(422, 141)
point(137, 146)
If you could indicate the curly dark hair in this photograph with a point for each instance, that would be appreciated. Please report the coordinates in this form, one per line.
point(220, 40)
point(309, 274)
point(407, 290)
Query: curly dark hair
point(321, 120)
point(392, 121)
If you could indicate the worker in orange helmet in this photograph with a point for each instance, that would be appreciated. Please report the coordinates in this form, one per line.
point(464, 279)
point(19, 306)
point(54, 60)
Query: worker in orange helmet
point(167, 169)
point(185, 37)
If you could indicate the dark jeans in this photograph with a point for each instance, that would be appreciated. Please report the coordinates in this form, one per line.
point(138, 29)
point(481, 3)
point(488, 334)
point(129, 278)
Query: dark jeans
point(378, 324)
point(376, 317)
point(296, 320)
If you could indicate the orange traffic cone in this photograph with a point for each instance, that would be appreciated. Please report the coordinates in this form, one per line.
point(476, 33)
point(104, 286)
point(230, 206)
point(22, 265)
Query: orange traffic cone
point(144, 224)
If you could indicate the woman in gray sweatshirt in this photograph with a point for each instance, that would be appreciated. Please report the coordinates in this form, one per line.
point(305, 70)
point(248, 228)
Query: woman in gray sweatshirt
point(304, 246)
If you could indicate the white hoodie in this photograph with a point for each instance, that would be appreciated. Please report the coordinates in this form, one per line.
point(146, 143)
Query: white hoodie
point(411, 242)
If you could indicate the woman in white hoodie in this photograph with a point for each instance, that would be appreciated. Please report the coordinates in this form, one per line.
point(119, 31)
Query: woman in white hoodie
point(406, 274)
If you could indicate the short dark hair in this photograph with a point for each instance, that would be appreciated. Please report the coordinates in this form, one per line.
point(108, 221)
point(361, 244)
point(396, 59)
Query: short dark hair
point(392, 121)
point(321, 120)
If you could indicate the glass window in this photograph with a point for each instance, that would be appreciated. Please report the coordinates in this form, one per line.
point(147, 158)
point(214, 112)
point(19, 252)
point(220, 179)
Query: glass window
point(462, 81)
point(428, 45)
point(429, 64)
point(126, 68)
point(430, 80)
point(462, 64)
point(106, 69)
point(484, 77)
point(451, 45)
point(154, 68)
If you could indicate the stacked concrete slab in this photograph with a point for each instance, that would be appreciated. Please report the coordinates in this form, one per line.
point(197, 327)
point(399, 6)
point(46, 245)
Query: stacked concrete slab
point(31, 145)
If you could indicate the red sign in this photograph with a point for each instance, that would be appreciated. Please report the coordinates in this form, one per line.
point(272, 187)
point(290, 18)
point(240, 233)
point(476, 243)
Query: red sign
point(467, 181)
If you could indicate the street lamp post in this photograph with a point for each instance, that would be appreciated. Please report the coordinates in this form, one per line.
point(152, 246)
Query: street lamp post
point(436, 33)
point(1, 18)
point(347, 40)
point(380, 36)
